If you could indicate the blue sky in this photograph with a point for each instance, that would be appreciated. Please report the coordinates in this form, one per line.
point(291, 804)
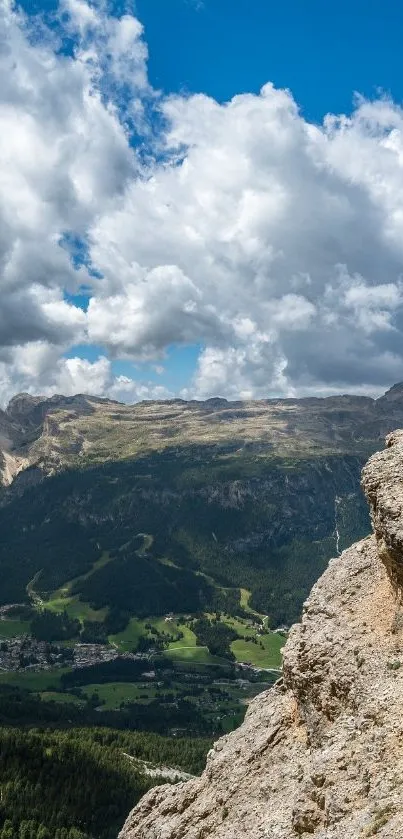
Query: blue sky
point(239, 245)
point(322, 50)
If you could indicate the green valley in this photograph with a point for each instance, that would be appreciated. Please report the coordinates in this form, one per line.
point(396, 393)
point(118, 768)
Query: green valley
point(152, 560)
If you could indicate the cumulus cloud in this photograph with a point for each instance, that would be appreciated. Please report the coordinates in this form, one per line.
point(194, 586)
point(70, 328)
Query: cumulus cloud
point(289, 235)
point(37, 368)
point(65, 154)
point(274, 243)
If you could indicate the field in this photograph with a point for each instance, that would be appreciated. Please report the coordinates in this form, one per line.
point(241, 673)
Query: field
point(11, 628)
point(268, 657)
point(64, 698)
point(245, 598)
point(183, 649)
point(188, 640)
point(199, 655)
point(127, 640)
point(75, 608)
point(42, 680)
point(186, 648)
point(228, 705)
point(266, 653)
point(113, 694)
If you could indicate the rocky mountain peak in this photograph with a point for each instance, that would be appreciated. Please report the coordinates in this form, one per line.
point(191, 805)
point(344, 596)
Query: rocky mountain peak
point(320, 754)
point(394, 394)
point(23, 403)
point(25, 407)
point(25, 418)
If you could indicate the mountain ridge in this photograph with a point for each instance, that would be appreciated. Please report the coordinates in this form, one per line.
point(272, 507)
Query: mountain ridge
point(34, 429)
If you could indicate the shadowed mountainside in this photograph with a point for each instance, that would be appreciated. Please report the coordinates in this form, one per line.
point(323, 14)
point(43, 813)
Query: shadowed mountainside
point(62, 432)
point(235, 495)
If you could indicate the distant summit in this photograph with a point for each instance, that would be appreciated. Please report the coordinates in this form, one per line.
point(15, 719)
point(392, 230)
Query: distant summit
point(394, 394)
point(53, 431)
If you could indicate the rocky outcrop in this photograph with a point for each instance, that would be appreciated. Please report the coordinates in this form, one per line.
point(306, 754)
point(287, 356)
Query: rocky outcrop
point(321, 753)
point(10, 467)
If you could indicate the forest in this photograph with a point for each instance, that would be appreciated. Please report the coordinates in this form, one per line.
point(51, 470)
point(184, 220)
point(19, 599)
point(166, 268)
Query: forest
point(216, 636)
point(274, 542)
point(78, 783)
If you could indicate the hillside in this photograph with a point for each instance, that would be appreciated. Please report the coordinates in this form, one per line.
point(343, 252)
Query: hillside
point(321, 753)
point(62, 432)
point(41, 798)
point(231, 496)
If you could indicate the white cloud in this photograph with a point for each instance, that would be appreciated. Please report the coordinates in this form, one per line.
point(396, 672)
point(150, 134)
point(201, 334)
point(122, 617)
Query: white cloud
point(37, 368)
point(150, 311)
point(274, 243)
point(64, 153)
point(285, 236)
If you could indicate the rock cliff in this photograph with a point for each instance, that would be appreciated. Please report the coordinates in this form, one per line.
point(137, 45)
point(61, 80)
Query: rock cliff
point(321, 753)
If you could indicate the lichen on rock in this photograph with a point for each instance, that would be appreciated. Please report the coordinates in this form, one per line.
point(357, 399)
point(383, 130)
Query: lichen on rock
point(320, 754)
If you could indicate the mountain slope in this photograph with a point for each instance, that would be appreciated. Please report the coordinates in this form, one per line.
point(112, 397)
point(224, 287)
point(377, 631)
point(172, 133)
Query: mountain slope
point(321, 754)
point(251, 495)
point(63, 432)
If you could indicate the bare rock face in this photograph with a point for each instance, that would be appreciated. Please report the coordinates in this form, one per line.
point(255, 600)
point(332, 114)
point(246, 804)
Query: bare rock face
point(321, 753)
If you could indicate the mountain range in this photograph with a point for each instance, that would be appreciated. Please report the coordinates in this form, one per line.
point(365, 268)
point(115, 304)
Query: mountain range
point(233, 497)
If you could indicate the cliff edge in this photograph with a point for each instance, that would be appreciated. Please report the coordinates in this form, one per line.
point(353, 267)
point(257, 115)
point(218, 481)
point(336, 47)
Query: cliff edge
point(321, 753)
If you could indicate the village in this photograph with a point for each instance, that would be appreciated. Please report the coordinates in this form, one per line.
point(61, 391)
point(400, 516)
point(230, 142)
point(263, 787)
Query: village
point(24, 653)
